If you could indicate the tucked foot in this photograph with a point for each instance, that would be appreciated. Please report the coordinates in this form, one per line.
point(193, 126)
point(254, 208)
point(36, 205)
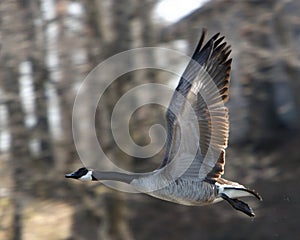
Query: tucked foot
point(239, 205)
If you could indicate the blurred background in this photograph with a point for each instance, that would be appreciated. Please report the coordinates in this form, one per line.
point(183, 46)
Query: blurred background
point(49, 46)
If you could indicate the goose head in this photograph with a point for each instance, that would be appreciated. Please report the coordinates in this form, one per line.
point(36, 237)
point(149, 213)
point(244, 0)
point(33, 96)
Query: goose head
point(82, 174)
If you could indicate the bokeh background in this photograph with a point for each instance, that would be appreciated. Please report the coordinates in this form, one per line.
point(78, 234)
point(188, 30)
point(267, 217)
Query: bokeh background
point(47, 49)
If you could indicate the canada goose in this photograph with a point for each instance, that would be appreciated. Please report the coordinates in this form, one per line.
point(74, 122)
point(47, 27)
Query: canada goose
point(200, 181)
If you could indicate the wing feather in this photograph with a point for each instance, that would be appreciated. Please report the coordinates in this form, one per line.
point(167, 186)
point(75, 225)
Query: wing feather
point(209, 64)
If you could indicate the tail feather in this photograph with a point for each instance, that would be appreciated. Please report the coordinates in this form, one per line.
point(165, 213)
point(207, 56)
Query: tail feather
point(235, 192)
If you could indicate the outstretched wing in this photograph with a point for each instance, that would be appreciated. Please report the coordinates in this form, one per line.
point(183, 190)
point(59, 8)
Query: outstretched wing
point(202, 91)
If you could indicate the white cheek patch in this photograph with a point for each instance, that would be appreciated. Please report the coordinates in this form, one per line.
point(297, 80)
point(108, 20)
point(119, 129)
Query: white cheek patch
point(87, 177)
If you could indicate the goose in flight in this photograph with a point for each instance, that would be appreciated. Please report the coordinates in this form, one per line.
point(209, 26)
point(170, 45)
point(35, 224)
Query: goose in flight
point(197, 135)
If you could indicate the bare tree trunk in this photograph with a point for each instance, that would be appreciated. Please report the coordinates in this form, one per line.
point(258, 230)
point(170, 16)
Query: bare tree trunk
point(40, 77)
point(115, 218)
point(42, 129)
point(19, 154)
point(288, 62)
point(64, 83)
point(11, 56)
point(105, 42)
